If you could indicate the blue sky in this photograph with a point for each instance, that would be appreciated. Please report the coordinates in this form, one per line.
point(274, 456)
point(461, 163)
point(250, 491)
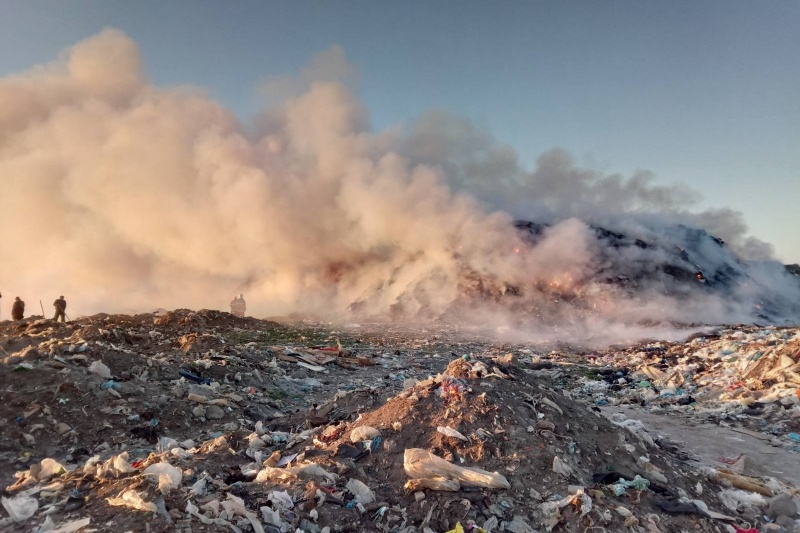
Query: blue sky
point(703, 93)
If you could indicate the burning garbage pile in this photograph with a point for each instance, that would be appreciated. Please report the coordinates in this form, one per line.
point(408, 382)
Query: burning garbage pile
point(184, 419)
point(682, 263)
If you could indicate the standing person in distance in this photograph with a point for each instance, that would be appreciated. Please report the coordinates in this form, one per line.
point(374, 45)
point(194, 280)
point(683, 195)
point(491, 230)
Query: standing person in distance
point(18, 309)
point(238, 306)
point(61, 308)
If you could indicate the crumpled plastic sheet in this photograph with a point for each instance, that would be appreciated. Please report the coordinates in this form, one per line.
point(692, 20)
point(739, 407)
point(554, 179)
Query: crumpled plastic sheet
point(169, 477)
point(363, 494)
point(69, 527)
point(638, 483)
point(132, 499)
point(235, 506)
point(114, 467)
point(551, 511)
point(44, 470)
point(561, 468)
point(199, 487)
point(279, 475)
point(50, 468)
point(364, 433)
point(193, 510)
point(20, 507)
point(450, 432)
point(312, 470)
point(422, 464)
point(281, 499)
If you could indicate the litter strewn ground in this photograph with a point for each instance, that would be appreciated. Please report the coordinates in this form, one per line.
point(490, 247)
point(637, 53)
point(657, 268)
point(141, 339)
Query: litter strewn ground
point(188, 420)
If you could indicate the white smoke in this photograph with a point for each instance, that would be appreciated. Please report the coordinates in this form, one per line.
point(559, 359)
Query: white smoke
point(125, 196)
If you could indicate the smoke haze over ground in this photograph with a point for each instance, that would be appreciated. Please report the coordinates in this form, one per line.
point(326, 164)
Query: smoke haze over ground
point(125, 196)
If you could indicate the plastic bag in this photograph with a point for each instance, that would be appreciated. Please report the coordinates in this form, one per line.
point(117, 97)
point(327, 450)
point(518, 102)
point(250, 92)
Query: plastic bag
point(422, 464)
point(169, 477)
point(99, 369)
point(364, 433)
point(193, 510)
point(235, 506)
point(50, 468)
point(69, 527)
point(21, 507)
point(310, 471)
point(279, 475)
point(551, 510)
point(282, 499)
point(363, 493)
point(450, 432)
point(433, 483)
point(561, 468)
point(132, 499)
point(638, 483)
point(115, 466)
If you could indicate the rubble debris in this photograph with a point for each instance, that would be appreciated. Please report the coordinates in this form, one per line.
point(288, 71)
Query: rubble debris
point(208, 419)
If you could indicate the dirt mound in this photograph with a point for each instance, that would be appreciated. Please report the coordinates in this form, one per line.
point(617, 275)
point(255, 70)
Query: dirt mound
point(517, 426)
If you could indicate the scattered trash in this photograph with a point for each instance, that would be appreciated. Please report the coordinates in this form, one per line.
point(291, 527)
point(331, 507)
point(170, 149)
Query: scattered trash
point(68, 527)
point(194, 377)
point(551, 510)
point(248, 425)
point(681, 507)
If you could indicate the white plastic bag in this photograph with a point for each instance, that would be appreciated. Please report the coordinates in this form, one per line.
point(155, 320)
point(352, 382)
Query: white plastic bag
point(68, 527)
point(132, 500)
point(169, 477)
point(364, 433)
point(50, 468)
point(363, 493)
point(235, 506)
point(422, 464)
point(99, 369)
point(20, 507)
point(561, 468)
point(450, 432)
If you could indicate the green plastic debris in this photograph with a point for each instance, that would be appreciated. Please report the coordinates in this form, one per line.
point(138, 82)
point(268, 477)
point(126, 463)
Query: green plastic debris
point(638, 483)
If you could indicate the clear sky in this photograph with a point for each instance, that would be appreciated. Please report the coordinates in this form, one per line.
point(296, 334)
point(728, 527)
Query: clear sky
point(699, 92)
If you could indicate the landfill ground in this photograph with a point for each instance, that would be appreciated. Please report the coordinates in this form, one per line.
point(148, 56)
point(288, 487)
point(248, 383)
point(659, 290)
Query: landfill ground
point(202, 421)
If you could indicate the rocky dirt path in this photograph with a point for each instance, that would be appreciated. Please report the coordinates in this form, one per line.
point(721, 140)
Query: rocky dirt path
point(709, 442)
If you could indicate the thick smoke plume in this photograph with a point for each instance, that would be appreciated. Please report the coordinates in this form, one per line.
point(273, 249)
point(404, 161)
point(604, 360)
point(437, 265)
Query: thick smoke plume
point(126, 197)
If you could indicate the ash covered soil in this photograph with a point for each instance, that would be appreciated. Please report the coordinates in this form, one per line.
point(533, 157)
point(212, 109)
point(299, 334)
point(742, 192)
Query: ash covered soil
point(205, 421)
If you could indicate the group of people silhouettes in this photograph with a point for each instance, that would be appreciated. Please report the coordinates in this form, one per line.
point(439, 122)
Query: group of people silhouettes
point(238, 308)
point(18, 309)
